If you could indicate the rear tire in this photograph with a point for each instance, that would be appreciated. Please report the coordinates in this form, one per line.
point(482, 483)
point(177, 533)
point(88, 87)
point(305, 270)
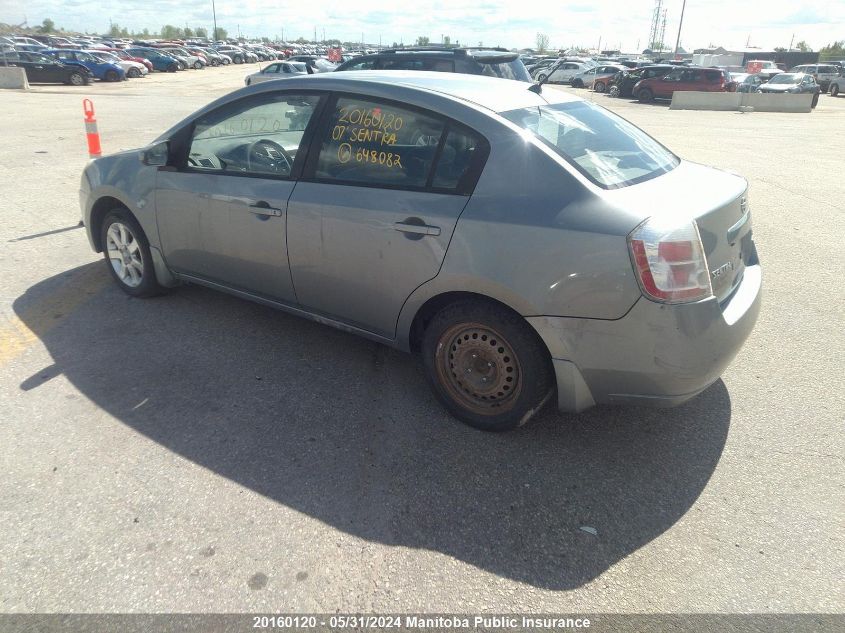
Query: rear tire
point(541, 78)
point(834, 90)
point(614, 91)
point(645, 96)
point(815, 101)
point(127, 254)
point(486, 365)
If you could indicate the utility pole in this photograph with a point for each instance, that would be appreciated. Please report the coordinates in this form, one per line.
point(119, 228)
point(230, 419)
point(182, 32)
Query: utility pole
point(680, 25)
point(790, 43)
point(214, 13)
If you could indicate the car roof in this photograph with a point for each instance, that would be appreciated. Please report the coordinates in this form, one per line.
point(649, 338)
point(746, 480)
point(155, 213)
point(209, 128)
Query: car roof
point(498, 95)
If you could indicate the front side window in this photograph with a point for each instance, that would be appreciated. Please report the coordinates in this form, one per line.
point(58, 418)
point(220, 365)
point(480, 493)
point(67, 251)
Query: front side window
point(374, 143)
point(604, 147)
point(257, 136)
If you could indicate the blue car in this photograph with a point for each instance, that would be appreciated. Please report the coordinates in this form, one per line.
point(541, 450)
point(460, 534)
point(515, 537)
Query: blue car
point(104, 71)
point(159, 60)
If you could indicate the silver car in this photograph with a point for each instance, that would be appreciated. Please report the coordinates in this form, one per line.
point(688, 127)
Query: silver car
point(526, 243)
point(562, 72)
point(277, 70)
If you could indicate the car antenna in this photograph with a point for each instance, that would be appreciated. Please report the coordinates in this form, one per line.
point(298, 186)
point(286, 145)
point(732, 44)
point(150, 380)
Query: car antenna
point(538, 87)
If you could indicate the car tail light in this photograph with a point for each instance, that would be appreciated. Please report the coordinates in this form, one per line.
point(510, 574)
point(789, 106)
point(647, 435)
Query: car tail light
point(669, 261)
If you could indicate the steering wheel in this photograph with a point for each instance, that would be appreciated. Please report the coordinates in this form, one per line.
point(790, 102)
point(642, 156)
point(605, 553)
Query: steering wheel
point(269, 154)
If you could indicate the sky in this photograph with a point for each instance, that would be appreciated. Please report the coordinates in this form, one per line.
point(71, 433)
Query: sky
point(509, 23)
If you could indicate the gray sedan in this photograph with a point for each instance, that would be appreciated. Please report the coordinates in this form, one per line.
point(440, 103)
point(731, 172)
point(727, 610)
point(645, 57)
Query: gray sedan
point(526, 243)
point(276, 70)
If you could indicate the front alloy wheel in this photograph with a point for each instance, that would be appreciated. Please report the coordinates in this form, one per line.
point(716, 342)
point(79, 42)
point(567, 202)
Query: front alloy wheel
point(127, 254)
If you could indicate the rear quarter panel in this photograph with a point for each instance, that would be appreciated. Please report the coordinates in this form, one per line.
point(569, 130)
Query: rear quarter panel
point(537, 238)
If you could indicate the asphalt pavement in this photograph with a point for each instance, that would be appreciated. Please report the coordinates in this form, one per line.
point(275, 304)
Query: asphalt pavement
point(196, 452)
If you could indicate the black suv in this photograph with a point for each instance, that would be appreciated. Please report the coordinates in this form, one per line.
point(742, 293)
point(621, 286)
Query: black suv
point(493, 62)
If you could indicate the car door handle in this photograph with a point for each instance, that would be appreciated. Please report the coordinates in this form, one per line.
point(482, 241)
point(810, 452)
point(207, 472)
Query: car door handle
point(417, 228)
point(264, 208)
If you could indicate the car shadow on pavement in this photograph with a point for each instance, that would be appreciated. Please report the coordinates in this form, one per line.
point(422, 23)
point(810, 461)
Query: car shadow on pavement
point(346, 431)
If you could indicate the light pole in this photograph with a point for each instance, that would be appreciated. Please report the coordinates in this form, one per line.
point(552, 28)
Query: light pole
point(680, 25)
point(214, 13)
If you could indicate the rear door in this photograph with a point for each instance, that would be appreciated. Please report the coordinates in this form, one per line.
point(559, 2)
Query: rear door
point(374, 213)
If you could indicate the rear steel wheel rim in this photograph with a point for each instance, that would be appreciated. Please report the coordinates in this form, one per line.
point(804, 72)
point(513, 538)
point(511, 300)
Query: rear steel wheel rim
point(478, 368)
point(124, 253)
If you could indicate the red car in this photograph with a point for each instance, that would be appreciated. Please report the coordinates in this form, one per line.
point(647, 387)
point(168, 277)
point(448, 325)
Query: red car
point(682, 78)
point(124, 55)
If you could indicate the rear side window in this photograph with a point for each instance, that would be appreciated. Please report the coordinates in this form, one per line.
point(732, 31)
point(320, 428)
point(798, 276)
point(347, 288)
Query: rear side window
point(461, 152)
point(367, 64)
point(604, 147)
point(712, 75)
point(401, 64)
point(379, 144)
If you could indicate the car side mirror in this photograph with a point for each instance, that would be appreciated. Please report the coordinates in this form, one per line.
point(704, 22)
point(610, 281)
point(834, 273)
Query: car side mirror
point(156, 155)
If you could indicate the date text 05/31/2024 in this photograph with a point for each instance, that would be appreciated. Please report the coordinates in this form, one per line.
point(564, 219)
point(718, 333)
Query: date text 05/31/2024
point(419, 622)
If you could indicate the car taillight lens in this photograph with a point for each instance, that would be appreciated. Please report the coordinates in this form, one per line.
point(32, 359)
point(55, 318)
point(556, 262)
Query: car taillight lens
point(669, 261)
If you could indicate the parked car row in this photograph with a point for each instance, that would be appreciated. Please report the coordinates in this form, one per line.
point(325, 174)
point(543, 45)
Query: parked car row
point(661, 81)
point(492, 62)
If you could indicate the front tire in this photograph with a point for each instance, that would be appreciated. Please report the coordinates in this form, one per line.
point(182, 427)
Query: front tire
point(133, 73)
point(600, 87)
point(486, 365)
point(815, 101)
point(541, 78)
point(198, 65)
point(77, 79)
point(112, 75)
point(127, 254)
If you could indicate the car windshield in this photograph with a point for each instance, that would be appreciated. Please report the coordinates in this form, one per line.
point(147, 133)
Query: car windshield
point(604, 147)
point(107, 57)
point(784, 78)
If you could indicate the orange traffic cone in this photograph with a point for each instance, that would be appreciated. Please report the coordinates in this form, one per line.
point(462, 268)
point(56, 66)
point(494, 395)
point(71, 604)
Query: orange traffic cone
point(91, 132)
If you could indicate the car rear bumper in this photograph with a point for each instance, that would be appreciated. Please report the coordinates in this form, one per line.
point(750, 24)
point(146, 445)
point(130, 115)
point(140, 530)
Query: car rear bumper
point(656, 355)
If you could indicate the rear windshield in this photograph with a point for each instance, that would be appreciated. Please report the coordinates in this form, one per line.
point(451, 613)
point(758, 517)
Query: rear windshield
point(604, 147)
point(504, 70)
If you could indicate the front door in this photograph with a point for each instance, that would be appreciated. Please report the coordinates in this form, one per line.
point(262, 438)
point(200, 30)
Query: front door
point(221, 213)
point(384, 189)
